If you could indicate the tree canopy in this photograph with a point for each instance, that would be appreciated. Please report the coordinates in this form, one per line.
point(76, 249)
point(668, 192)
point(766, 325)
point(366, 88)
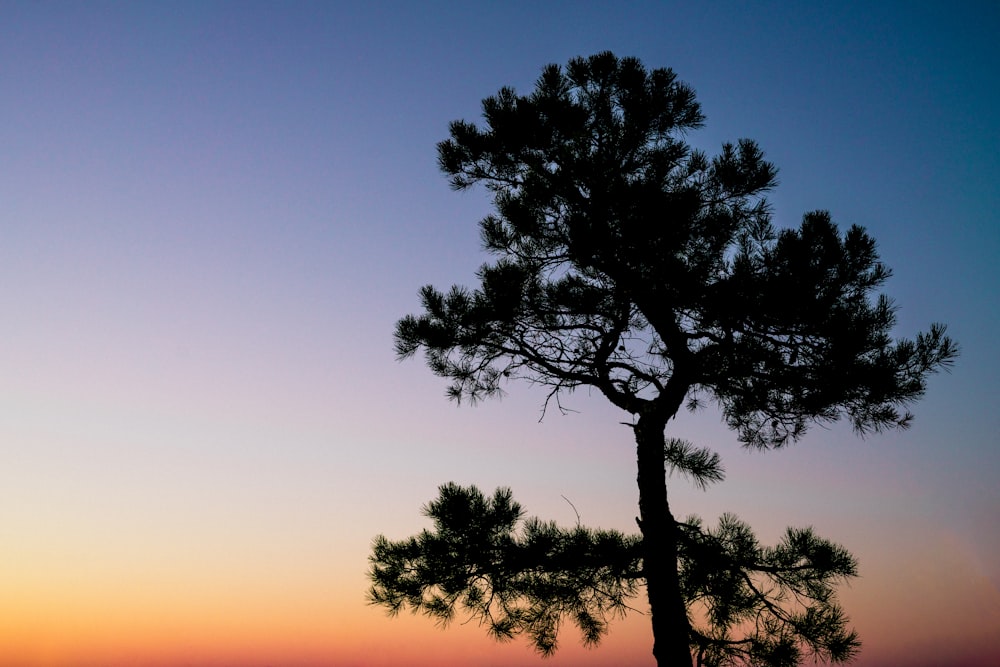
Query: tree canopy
point(749, 604)
point(630, 263)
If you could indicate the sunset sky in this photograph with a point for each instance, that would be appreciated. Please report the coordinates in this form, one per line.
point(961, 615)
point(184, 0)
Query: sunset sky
point(212, 214)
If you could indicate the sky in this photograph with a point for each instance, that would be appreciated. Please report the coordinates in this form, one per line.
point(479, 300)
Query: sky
point(213, 214)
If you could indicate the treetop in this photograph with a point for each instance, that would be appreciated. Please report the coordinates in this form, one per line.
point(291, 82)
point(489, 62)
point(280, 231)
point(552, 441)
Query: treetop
point(628, 262)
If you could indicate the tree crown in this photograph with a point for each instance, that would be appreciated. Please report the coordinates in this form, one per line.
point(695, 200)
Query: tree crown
point(629, 262)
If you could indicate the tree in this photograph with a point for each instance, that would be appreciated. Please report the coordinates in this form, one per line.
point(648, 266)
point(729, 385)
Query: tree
point(629, 263)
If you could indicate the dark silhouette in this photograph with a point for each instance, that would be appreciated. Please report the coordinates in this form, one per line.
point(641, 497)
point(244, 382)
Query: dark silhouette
point(631, 264)
point(751, 604)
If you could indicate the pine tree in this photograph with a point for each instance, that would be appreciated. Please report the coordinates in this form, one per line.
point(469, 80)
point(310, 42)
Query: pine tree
point(631, 264)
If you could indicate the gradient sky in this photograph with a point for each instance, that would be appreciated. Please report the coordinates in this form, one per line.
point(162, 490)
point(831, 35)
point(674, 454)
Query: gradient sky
point(212, 214)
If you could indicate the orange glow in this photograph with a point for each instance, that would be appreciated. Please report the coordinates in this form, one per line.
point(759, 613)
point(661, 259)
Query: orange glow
point(122, 629)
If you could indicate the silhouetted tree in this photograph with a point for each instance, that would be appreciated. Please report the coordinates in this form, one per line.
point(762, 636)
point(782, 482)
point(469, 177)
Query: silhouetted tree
point(748, 604)
point(630, 263)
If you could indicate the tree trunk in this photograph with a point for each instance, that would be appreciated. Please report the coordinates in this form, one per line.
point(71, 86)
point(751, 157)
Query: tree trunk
point(659, 547)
